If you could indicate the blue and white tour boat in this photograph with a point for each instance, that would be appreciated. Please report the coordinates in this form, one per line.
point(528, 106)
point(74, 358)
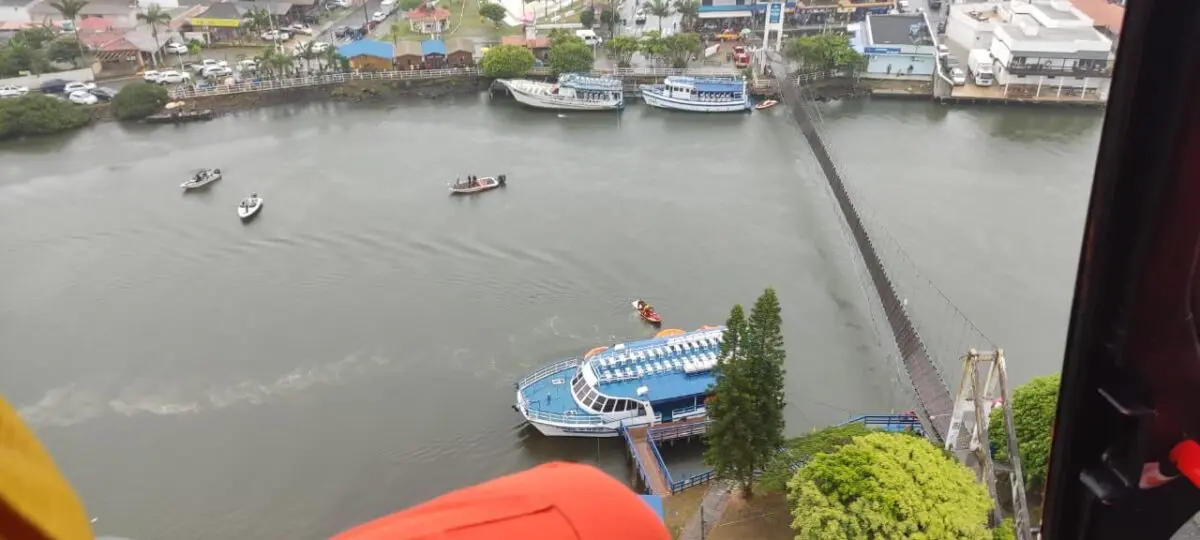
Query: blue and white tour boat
point(629, 384)
point(572, 92)
point(698, 94)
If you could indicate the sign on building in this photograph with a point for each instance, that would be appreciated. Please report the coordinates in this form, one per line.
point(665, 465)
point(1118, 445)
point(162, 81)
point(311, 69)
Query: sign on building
point(774, 23)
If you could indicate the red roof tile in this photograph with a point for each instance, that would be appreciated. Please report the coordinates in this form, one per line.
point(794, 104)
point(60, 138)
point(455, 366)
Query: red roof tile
point(424, 13)
point(1103, 13)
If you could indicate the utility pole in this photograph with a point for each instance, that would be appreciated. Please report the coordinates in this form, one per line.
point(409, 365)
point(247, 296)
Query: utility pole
point(977, 399)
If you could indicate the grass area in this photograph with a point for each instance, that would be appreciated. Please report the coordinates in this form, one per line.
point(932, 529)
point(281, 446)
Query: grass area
point(763, 517)
point(680, 507)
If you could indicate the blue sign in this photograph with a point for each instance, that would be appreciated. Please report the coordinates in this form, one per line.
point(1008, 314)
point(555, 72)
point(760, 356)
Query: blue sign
point(775, 13)
point(881, 50)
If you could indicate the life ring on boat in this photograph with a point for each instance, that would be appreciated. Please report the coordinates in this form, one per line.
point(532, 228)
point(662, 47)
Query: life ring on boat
point(594, 352)
point(669, 332)
point(709, 327)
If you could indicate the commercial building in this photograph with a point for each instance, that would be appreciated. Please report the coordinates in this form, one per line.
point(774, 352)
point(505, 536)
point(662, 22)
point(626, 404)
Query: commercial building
point(1040, 44)
point(896, 46)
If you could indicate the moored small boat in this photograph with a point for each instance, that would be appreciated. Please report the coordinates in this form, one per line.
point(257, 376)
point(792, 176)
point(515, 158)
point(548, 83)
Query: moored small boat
point(766, 104)
point(475, 185)
point(202, 178)
point(179, 117)
point(250, 206)
point(646, 312)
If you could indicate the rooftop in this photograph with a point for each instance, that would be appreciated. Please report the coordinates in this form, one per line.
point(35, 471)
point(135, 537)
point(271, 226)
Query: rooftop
point(425, 13)
point(221, 10)
point(367, 47)
point(1103, 13)
point(433, 46)
point(1028, 30)
point(408, 48)
point(897, 30)
point(97, 7)
point(274, 8)
point(16, 3)
point(538, 43)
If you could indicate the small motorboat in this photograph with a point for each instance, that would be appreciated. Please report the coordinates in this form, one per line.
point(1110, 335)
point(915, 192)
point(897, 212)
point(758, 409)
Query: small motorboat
point(475, 185)
point(202, 178)
point(646, 312)
point(250, 206)
point(766, 104)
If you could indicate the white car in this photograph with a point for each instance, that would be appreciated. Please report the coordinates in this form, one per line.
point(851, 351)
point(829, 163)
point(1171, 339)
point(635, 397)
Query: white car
point(173, 77)
point(216, 71)
point(299, 28)
point(379, 16)
point(275, 35)
point(82, 97)
point(175, 48)
point(73, 87)
point(152, 76)
point(9, 90)
point(330, 4)
point(247, 65)
point(943, 51)
point(387, 5)
point(958, 77)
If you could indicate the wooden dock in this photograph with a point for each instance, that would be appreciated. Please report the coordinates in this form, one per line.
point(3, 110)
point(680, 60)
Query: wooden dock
point(642, 444)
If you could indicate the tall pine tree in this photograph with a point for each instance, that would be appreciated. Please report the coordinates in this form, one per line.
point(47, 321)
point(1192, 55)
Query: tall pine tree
point(732, 408)
point(764, 359)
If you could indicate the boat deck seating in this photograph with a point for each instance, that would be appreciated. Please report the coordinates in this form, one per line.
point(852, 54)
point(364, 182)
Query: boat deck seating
point(692, 354)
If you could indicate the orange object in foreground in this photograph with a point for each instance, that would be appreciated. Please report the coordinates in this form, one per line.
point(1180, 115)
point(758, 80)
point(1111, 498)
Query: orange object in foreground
point(555, 501)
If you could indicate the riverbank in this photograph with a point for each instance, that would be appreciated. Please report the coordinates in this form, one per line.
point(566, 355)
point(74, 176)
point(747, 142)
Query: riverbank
point(354, 91)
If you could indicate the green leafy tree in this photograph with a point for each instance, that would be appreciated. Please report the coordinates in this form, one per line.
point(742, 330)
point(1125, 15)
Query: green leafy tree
point(409, 5)
point(562, 35)
point(796, 451)
point(23, 54)
point(732, 408)
point(660, 9)
point(886, 485)
point(587, 17)
point(1006, 531)
point(70, 10)
point(1033, 406)
point(64, 50)
point(680, 48)
point(396, 31)
point(36, 37)
point(507, 61)
point(653, 45)
point(622, 48)
point(493, 12)
point(38, 114)
point(571, 56)
point(764, 359)
point(139, 100)
point(195, 48)
point(155, 16)
point(609, 17)
point(689, 10)
point(824, 51)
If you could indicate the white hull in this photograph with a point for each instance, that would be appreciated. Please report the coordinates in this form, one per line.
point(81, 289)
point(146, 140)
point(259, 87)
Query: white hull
point(537, 94)
point(654, 99)
point(193, 185)
point(555, 431)
point(247, 213)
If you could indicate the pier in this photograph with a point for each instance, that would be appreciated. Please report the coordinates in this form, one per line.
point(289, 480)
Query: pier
point(642, 443)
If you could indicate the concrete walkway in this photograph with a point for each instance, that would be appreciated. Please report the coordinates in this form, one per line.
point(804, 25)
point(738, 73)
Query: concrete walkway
point(712, 507)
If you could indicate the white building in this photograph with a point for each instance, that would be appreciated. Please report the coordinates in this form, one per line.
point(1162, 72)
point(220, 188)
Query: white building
point(1044, 44)
point(16, 11)
point(896, 46)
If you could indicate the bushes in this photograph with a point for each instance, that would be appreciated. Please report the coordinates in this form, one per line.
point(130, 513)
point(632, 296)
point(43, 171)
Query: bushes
point(138, 100)
point(38, 114)
point(507, 61)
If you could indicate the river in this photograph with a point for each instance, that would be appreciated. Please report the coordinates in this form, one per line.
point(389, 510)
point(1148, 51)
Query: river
point(352, 351)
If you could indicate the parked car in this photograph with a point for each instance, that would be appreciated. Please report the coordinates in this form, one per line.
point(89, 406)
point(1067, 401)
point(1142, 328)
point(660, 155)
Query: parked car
point(388, 5)
point(275, 35)
point(958, 77)
point(248, 65)
point(334, 4)
point(173, 77)
point(378, 17)
point(72, 87)
point(343, 32)
point(82, 97)
point(103, 93)
point(216, 71)
point(9, 90)
point(300, 28)
point(943, 51)
point(152, 76)
point(175, 48)
point(949, 63)
point(53, 86)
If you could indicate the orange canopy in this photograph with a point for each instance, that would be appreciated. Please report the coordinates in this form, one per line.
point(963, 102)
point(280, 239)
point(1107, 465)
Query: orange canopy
point(555, 501)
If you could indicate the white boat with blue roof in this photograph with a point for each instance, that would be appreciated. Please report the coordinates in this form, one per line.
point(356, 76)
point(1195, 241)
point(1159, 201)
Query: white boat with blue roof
point(638, 383)
point(572, 92)
point(698, 94)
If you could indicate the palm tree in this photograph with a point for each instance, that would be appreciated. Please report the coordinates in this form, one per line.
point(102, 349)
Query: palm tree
point(332, 59)
point(70, 10)
point(154, 16)
point(689, 10)
point(660, 9)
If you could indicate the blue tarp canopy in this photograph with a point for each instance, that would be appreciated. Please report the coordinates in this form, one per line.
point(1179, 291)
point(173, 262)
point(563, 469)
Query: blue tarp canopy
point(655, 503)
point(368, 47)
point(433, 46)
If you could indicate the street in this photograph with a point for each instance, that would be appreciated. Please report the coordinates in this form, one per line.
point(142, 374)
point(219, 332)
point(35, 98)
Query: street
point(627, 10)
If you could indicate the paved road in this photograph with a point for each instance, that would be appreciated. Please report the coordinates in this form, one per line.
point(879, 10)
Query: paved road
point(627, 10)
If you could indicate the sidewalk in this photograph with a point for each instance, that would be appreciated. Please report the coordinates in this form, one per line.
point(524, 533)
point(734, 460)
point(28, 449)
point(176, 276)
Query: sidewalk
point(710, 512)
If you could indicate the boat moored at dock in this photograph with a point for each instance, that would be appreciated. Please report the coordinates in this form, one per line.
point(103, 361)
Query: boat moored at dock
point(572, 92)
point(630, 384)
point(698, 94)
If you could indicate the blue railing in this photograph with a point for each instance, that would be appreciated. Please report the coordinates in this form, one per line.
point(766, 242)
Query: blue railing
point(637, 460)
point(889, 422)
point(693, 481)
point(658, 456)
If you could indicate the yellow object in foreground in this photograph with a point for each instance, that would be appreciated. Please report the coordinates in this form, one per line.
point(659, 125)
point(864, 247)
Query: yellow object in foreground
point(36, 502)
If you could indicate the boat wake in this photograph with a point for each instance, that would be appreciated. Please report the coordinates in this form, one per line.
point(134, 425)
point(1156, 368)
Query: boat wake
point(78, 403)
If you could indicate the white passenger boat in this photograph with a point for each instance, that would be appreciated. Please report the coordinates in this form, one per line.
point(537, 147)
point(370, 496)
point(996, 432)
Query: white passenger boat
point(698, 94)
point(202, 178)
point(629, 384)
point(572, 92)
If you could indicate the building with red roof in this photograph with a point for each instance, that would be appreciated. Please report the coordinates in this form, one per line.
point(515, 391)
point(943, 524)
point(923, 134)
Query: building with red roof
point(426, 19)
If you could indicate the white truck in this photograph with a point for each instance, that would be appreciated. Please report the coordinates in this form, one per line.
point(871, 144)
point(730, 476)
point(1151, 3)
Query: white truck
point(979, 62)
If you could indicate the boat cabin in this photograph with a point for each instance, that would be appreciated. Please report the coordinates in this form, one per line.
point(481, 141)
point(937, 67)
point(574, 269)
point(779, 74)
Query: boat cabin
point(587, 88)
point(711, 90)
